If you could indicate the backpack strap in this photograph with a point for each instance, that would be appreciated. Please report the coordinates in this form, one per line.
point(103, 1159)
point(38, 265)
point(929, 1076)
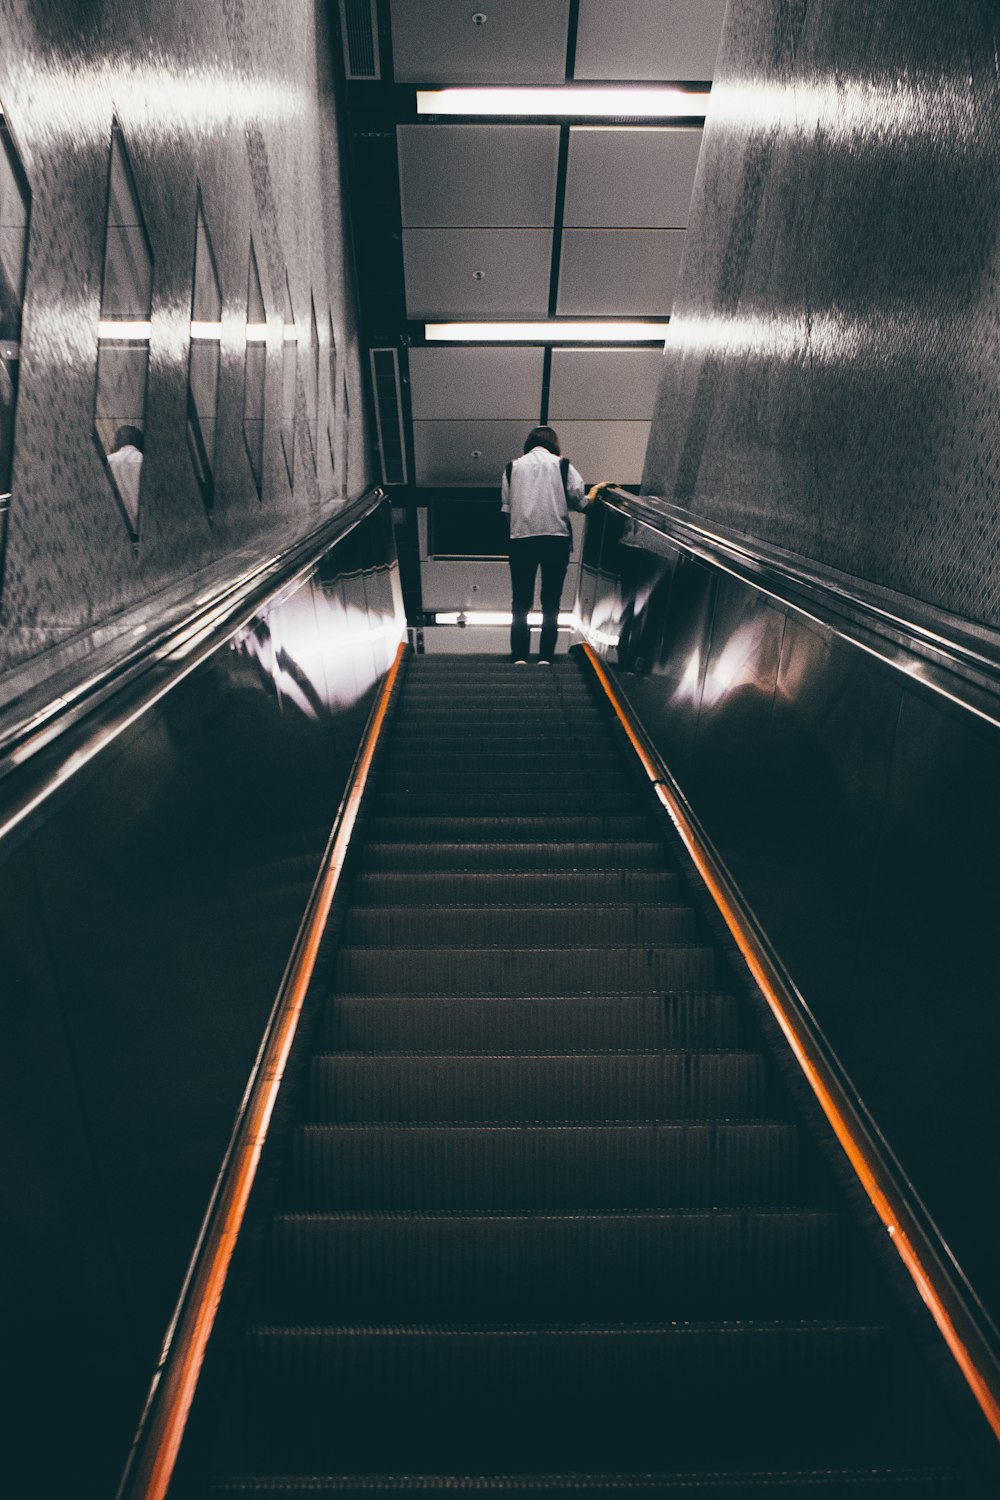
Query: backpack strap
point(564, 471)
point(508, 471)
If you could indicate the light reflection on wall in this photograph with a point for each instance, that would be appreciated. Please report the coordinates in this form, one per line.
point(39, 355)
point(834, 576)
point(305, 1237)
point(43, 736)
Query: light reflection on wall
point(891, 106)
point(71, 104)
point(64, 332)
point(312, 661)
point(829, 339)
point(727, 671)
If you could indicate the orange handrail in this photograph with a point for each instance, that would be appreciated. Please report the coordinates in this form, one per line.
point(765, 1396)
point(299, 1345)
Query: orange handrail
point(161, 1432)
point(967, 1345)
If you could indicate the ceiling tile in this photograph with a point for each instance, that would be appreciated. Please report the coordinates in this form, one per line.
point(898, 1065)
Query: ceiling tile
point(606, 450)
point(436, 42)
point(477, 273)
point(631, 178)
point(619, 384)
point(619, 272)
point(495, 382)
point(444, 452)
point(472, 175)
point(647, 40)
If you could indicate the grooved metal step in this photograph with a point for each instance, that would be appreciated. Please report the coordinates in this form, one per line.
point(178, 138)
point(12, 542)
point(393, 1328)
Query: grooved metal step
point(491, 829)
point(398, 1023)
point(537, 1398)
point(549, 887)
point(423, 926)
point(599, 854)
point(482, 800)
point(523, 971)
point(903, 1483)
point(525, 1268)
point(565, 784)
point(555, 1168)
point(609, 1086)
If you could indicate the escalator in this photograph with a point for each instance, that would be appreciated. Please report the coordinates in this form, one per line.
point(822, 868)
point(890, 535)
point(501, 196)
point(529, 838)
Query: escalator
point(545, 1220)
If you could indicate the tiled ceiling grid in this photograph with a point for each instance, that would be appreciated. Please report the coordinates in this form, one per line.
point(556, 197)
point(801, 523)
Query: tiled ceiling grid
point(486, 219)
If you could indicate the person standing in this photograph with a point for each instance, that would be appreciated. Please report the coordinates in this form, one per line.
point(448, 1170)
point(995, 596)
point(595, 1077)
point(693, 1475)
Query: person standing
point(537, 492)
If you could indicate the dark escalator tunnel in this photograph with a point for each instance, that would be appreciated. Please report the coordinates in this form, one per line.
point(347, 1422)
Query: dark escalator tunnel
point(542, 1215)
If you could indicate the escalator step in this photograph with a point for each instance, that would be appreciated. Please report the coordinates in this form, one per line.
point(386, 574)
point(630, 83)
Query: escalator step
point(485, 759)
point(603, 1086)
point(418, 926)
point(577, 1396)
point(803, 1484)
point(366, 1022)
point(527, 1268)
point(482, 692)
point(547, 887)
point(523, 734)
point(523, 971)
point(524, 804)
point(565, 783)
point(555, 1168)
point(467, 830)
point(603, 854)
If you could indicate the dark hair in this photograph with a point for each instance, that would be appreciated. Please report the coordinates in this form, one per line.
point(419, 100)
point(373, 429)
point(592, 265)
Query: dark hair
point(542, 437)
point(126, 435)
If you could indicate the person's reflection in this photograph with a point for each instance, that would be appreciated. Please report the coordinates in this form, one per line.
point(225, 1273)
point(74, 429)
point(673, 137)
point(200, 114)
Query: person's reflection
point(125, 464)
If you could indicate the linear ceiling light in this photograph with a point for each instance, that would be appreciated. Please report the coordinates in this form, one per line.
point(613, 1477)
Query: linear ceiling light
point(594, 103)
point(493, 617)
point(553, 332)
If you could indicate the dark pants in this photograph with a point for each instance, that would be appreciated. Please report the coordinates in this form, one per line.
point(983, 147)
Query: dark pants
point(527, 555)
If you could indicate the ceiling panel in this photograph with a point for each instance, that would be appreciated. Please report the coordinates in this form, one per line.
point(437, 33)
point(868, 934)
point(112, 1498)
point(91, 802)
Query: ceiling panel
point(477, 273)
point(465, 453)
point(438, 42)
point(631, 178)
point(619, 272)
point(614, 451)
point(619, 384)
point(645, 40)
point(466, 383)
point(502, 175)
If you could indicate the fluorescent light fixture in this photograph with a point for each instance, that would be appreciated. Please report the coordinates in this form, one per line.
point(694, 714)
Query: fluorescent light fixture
point(573, 101)
point(123, 328)
point(210, 331)
point(553, 332)
point(256, 333)
point(491, 617)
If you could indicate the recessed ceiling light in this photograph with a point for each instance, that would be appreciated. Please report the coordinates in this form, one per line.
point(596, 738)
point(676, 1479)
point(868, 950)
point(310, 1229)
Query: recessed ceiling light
point(552, 332)
point(600, 103)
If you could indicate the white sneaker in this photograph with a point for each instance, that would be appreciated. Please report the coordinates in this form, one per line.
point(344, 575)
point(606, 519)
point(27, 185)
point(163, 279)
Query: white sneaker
point(520, 662)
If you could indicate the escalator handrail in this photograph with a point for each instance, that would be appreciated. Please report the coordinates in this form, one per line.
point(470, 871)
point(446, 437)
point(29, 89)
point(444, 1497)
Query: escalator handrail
point(955, 657)
point(960, 1317)
point(55, 733)
point(153, 1455)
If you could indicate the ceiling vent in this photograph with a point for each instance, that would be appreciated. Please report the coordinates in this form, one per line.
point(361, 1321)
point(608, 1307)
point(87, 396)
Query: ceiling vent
point(388, 415)
point(359, 31)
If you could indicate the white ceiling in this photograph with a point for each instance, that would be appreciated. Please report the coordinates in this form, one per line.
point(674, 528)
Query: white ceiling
point(527, 221)
point(648, 40)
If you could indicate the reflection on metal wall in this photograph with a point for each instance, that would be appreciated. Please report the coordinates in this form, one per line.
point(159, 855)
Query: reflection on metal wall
point(144, 925)
point(859, 813)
